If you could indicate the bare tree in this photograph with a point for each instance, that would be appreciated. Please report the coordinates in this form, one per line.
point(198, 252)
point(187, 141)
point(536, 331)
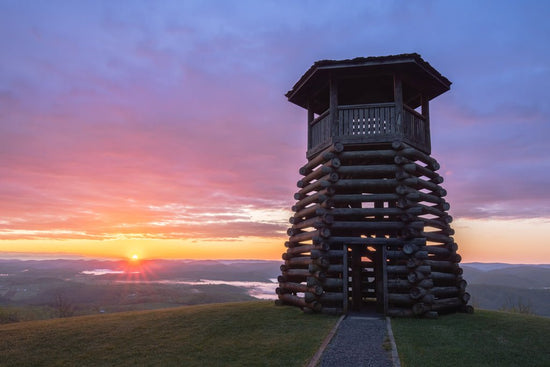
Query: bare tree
point(63, 306)
point(521, 306)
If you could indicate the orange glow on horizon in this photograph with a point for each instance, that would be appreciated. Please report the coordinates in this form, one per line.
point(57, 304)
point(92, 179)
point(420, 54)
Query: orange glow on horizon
point(515, 241)
point(138, 250)
point(511, 241)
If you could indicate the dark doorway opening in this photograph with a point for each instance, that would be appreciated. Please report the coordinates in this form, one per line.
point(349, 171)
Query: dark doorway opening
point(366, 290)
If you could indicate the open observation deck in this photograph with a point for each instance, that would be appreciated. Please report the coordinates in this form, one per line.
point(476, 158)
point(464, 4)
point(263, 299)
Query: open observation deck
point(369, 123)
point(371, 100)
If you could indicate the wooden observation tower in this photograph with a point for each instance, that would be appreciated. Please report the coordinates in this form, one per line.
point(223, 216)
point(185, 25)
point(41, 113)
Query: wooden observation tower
point(371, 229)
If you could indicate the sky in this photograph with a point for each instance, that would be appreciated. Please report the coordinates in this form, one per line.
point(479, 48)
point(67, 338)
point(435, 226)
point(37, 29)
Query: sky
point(160, 128)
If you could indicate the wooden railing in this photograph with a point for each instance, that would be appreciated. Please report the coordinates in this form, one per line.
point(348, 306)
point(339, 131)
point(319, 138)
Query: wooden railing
point(367, 120)
point(319, 131)
point(416, 130)
point(366, 123)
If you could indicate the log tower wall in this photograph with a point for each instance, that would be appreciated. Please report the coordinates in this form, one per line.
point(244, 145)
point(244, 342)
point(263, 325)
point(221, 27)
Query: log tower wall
point(371, 226)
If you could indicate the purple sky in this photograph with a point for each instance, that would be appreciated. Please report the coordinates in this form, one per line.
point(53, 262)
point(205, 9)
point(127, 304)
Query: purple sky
point(169, 118)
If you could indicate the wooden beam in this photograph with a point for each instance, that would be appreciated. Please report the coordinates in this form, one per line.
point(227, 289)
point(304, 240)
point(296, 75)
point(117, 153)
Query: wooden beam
point(345, 279)
point(426, 114)
point(356, 271)
point(398, 98)
point(310, 118)
point(333, 105)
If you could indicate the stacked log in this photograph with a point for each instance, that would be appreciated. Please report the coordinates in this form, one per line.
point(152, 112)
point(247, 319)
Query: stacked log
point(372, 223)
point(306, 277)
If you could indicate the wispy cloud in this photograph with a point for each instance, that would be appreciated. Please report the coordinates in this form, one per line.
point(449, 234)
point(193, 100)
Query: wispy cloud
point(168, 120)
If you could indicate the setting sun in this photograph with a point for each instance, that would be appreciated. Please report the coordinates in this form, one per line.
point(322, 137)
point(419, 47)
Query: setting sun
point(134, 257)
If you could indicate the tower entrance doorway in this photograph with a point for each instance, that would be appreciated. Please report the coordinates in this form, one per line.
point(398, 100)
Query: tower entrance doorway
point(366, 279)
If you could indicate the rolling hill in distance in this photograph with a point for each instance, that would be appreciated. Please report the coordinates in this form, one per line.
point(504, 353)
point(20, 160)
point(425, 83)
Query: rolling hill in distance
point(37, 289)
point(509, 287)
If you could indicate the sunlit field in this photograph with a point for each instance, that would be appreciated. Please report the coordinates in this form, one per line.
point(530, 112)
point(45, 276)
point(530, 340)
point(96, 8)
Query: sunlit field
point(235, 334)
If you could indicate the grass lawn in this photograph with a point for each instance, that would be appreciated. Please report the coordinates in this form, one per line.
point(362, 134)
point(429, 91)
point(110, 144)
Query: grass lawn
point(260, 334)
point(486, 338)
point(232, 334)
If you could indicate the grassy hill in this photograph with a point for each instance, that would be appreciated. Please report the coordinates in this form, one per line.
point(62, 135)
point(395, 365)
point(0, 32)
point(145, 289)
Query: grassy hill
point(486, 338)
point(41, 289)
point(508, 275)
point(508, 287)
point(495, 297)
point(230, 334)
point(260, 334)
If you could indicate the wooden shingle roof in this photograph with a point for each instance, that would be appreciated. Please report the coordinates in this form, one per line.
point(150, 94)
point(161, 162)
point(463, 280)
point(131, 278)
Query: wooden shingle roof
point(418, 73)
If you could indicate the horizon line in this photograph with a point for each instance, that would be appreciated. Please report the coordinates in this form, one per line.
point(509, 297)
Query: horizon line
point(37, 256)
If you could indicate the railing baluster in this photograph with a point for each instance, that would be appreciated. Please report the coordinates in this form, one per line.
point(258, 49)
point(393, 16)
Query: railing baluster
point(362, 121)
point(393, 121)
point(359, 123)
point(386, 119)
point(345, 122)
point(350, 123)
point(328, 129)
point(383, 120)
point(355, 122)
point(371, 120)
point(317, 128)
point(377, 126)
point(324, 129)
point(377, 119)
point(340, 119)
point(365, 121)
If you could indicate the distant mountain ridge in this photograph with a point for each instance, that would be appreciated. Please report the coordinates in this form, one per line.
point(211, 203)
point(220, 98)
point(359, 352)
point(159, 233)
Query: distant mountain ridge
point(495, 266)
point(512, 287)
point(508, 275)
point(246, 270)
point(493, 286)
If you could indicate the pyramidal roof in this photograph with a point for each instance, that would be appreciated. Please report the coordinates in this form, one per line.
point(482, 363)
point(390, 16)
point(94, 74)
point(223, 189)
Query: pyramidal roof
point(410, 66)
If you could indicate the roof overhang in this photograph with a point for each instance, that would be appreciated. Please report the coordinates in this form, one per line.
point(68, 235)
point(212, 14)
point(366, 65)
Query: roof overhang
point(413, 70)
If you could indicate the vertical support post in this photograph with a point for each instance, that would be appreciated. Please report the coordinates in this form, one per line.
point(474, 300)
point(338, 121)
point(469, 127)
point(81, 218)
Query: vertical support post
point(345, 279)
point(384, 290)
point(379, 204)
point(398, 98)
point(310, 118)
point(356, 278)
point(379, 266)
point(333, 106)
point(426, 114)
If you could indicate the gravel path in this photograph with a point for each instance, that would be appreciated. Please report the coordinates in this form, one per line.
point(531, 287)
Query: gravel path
point(358, 342)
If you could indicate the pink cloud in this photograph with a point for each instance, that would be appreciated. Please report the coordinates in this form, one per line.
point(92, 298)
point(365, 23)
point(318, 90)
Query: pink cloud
point(94, 167)
point(108, 113)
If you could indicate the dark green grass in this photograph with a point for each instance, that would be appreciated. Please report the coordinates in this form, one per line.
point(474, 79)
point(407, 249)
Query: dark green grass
point(485, 338)
point(10, 314)
point(231, 334)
